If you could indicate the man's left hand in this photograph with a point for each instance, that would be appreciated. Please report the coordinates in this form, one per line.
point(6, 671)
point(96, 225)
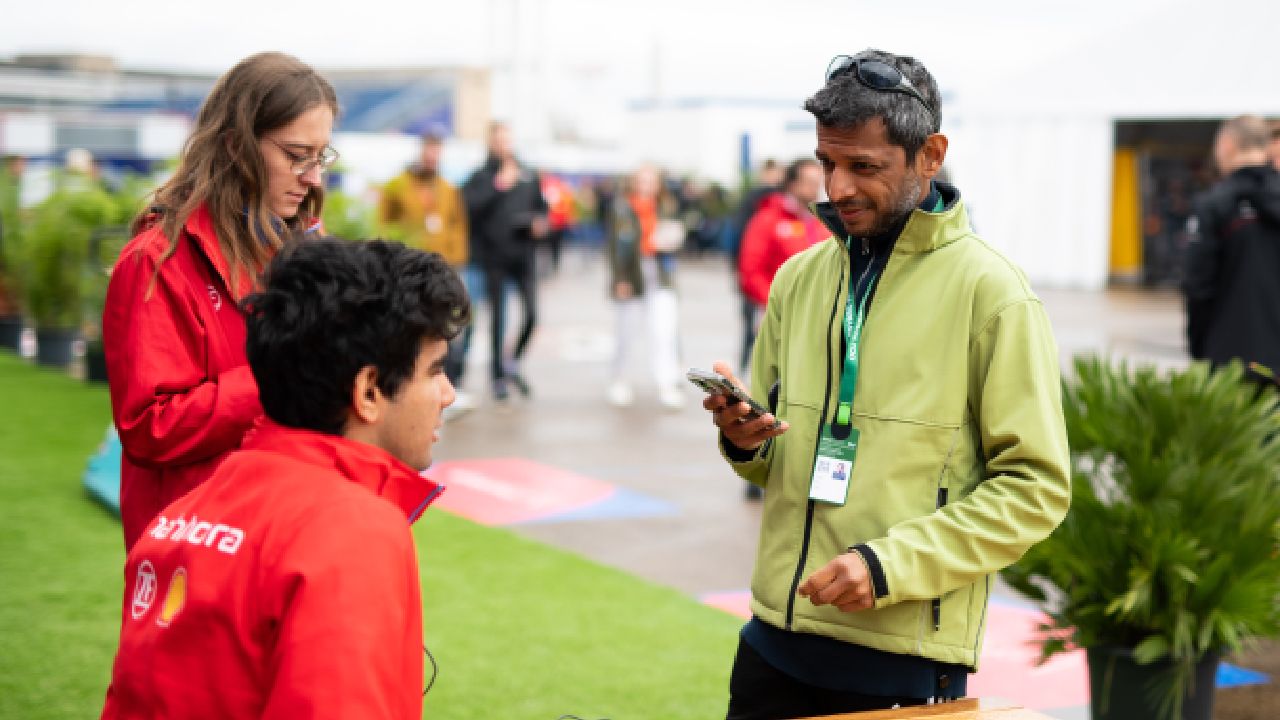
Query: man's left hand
point(844, 582)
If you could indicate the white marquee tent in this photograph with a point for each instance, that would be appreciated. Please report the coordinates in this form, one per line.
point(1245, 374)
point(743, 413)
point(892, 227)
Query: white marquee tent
point(1033, 152)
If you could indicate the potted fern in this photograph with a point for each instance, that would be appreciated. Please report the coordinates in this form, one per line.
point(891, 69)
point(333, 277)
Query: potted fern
point(1168, 557)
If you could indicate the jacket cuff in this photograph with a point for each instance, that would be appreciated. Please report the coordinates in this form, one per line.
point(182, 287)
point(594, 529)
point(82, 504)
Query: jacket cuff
point(239, 392)
point(879, 583)
point(737, 455)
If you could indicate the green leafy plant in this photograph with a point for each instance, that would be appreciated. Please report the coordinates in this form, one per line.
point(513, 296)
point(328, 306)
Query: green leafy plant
point(133, 193)
point(1170, 547)
point(347, 217)
point(10, 237)
point(107, 240)
point(54, 248)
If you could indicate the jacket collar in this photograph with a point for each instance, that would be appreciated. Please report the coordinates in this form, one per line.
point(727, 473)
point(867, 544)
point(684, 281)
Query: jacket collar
point(923, 231)
point(1260, 185)
point(365, 465)
point(201, 229)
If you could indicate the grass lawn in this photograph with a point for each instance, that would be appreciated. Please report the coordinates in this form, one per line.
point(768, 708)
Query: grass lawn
point(520, 630)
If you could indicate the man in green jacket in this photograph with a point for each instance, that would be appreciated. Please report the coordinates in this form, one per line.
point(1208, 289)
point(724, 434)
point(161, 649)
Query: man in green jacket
point(921, 446)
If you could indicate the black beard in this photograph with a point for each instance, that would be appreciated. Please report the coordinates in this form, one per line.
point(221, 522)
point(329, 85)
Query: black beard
point(901, 205)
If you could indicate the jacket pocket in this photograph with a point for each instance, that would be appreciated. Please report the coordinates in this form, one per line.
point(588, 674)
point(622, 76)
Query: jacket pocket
point(793, 458)
point(896, 474)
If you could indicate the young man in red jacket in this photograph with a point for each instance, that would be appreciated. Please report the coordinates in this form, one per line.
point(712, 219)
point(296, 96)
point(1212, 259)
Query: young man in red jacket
point(286, 586)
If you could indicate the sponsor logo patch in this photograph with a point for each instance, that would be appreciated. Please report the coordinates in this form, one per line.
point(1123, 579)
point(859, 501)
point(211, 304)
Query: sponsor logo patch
point(174, 599)
point(144, 590)
point(223, 538)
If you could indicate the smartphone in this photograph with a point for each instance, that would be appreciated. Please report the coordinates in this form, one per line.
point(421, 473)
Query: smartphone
point(713, 383)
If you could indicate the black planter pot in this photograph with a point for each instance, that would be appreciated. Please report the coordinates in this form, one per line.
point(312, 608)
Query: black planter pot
point(10, 332)
point(54, 346)
point(1119, 688)
point(95, 363)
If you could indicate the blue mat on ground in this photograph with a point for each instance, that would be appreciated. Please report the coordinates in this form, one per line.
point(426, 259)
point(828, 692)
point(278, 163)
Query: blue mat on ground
point(102, 476)
point(1230, 676)
point(622, 504)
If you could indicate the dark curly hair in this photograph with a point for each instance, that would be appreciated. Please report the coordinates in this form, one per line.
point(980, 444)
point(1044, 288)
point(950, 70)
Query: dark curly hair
point(844, 102)
point(330, 308)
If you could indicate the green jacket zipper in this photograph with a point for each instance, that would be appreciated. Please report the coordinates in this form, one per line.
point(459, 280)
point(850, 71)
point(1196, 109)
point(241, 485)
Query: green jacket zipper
point(826, 404)
point(808, 516)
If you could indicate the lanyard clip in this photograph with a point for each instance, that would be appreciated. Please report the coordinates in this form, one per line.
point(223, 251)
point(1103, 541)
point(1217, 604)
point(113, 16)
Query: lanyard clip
point(842, 426)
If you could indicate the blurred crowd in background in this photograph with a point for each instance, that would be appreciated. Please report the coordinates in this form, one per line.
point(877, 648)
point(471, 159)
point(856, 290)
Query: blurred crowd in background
point(61, 228)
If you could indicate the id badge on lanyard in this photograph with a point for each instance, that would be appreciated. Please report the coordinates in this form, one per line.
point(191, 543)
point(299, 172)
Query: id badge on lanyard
point(838, 443)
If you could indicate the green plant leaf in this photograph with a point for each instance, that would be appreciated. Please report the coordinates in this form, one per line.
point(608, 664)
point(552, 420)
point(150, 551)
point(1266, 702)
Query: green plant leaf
point(1171, 543)
point(1150, 650)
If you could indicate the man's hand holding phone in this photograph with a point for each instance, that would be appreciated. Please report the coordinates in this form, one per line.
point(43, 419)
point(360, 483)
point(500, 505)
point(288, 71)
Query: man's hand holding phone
point(731, 416)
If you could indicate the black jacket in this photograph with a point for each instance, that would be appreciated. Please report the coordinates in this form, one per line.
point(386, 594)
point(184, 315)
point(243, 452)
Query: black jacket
point(1232, 278)
point(500, 220)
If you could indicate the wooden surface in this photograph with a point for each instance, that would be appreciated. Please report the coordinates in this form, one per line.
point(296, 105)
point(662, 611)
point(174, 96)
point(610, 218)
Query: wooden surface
point(959, 710)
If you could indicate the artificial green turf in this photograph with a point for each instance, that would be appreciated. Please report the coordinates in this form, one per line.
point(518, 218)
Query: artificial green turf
point(520, 630)
point(60, 555)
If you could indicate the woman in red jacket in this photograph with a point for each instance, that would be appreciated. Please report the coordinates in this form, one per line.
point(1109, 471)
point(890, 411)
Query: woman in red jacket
point(249, 178)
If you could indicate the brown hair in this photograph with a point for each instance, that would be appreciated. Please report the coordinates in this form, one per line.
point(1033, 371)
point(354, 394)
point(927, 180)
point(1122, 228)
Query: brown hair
point(222, 167)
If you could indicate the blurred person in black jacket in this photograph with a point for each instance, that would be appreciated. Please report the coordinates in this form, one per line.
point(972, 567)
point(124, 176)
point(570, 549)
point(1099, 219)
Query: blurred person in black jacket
point(508, 214)
point(1273, 149)
point(1232, 278)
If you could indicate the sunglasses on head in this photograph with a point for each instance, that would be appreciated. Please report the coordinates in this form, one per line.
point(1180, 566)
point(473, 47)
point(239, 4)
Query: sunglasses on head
point(875, 74)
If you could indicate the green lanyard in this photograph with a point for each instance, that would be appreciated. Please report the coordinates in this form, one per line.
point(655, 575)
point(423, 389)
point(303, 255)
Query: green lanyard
point(854, 318)
point(855, 315)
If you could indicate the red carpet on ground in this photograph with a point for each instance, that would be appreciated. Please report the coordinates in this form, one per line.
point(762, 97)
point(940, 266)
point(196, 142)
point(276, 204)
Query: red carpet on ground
point(506, 491)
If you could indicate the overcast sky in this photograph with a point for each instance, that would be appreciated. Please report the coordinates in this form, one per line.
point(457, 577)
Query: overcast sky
point(678, 47)
point(586, 59)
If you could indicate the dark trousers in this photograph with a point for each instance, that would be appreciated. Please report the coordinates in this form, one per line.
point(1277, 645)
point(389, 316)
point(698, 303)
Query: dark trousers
point(555, 241)
point(758, 691)
point(749, 311)
point(521, 273)
point(455, 360)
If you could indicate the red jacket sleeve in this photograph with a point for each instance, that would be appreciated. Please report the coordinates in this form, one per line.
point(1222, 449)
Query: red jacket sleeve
point(753, 261)
point(347, 604)
point(167, 409)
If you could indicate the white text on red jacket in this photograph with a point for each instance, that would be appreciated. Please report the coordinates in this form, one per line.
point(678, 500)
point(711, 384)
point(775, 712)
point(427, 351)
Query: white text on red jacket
point(199, 532)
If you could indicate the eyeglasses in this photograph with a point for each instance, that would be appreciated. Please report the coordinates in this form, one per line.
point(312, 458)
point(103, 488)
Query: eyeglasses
point(302, 164)
point(875, 74)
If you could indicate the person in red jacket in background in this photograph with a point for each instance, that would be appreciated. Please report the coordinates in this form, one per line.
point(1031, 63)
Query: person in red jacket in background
point(248, 179)
point(560, 214)
point(286, 585)
point(782, 227)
